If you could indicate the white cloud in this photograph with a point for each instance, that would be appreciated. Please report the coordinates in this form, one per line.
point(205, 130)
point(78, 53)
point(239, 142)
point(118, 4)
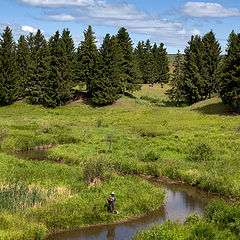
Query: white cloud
point(57, 3)
point(61, 17)
point(117, 14)
point(29, 29)
point(18, 29)
point(204, 9)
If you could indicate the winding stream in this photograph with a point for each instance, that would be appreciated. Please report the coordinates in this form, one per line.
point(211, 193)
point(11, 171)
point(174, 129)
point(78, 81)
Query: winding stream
point(181, 200)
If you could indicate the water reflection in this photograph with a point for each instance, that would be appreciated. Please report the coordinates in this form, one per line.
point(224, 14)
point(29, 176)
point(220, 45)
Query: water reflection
point(181, 201)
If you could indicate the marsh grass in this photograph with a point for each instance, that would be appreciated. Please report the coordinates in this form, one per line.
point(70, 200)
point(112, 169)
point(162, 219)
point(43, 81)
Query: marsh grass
point(132, 136)
point(220, 221)
point(18, 197)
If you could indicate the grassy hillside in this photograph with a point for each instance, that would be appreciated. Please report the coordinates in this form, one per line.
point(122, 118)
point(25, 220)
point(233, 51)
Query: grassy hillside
point(141, 133)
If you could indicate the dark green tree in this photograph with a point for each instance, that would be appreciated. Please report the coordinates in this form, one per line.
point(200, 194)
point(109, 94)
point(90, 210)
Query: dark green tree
point(8, 68)
point(161, 60)
point(39, 70)
point(62, 74)
point(177, 93)
point(230, 79)
point(23, 65)
point(88, 59)
point(150, 67)
point(212, 59)
point(139, 55)
point(107, 88)
point(194, 70)
point(130, 68)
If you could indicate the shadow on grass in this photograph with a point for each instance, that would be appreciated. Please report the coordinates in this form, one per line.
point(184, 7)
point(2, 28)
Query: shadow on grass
point(129, 95)
point(216, 109)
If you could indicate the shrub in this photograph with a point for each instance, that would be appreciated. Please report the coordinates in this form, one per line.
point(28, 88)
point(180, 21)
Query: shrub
point(192, 219)
point(225, 214)
point(200, 152)
point(96, 169)
point(151, 156)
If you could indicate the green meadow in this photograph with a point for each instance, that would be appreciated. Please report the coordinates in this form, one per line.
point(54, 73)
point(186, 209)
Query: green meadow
point(98, 150)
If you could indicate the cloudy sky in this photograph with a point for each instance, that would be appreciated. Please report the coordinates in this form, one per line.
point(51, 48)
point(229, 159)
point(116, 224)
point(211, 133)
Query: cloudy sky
point(171, 22)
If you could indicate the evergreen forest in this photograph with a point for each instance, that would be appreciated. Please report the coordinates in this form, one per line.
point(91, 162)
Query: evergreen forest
point(52, 72)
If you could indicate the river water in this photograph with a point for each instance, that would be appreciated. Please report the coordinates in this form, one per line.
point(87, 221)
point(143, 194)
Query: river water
point(181, 200)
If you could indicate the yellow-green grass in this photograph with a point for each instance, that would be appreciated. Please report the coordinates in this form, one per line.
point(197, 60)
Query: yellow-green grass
point(66, 200)
point(138, 134)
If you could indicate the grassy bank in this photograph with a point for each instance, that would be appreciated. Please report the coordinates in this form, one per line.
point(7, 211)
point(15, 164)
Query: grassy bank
point(142, 133)
point(41, 197)
point(220, 222)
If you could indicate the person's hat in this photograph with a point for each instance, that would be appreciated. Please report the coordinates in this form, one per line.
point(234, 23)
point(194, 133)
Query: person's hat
point(112, 193)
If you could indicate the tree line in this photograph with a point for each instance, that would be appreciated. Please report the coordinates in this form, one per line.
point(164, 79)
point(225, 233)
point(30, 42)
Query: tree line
point(47, 72)
point(202, 71)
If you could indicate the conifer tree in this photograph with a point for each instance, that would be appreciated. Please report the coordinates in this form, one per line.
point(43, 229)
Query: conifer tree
point(87, 59)
point(194, 70)
point(129, 66)
point(212, 59)
point(140, 58)
point(107, 88)
point(39, 70)
point(176, 92)
point(162, 63)
point(61, 79)
point(149, 70)
point(8, 72)
point(230, 79)
point(23, 65)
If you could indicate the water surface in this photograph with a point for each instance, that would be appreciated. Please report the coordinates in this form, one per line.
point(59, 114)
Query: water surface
point(181, 200)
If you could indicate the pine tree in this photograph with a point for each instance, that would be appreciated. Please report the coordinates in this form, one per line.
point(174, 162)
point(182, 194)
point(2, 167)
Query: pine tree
point(23, 65)
point(129, 66)
point(149, 70)
point(140, 56)
point(87, 58)
point(230, 79)
point(61, 79)
point(8, 69)
point(212, 59)
point(39, 70)
point(194, 70)
point(176, 92)
point(107, 88)
point(162, 63)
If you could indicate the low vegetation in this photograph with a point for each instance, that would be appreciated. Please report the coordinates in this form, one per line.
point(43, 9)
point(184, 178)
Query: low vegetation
point(197, 144)
point(220, 221)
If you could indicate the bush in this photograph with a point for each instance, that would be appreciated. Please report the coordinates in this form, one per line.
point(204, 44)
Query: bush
point(151, 156)
point(225, 214)
point(200, 152)
point(96, 169)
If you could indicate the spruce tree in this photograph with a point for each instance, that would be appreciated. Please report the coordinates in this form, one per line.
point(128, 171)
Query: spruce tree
point(140, 56)
point(62, 76)
point(149, 70)
point(212, 59)
point(176, 93)
point(129, 67)
point(194, 70)
point(87, 59)
point(161, 60)
point(8, 68)
point(107, 88)
point(23, 65)
point(39, 70)
point(230, 79)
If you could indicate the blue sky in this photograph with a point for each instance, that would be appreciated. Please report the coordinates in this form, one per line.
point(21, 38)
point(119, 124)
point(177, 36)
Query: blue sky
point(171, 22)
